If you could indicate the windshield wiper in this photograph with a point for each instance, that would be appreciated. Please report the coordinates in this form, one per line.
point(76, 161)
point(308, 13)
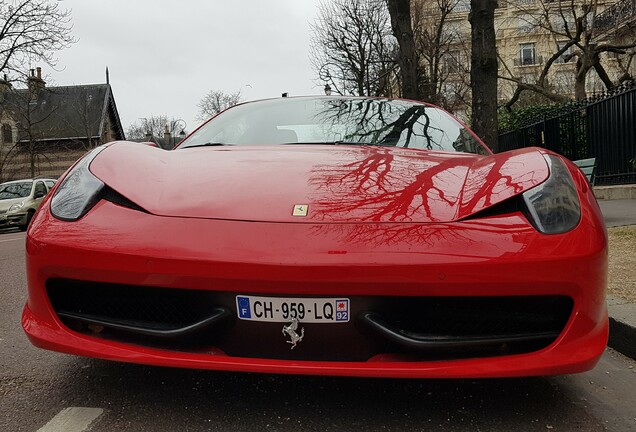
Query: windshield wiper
point(360, 143)
point(208, 144)
point(339, 142)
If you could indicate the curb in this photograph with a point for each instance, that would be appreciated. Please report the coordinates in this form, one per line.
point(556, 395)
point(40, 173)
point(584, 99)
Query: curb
point(618, 192)
point(622, 320)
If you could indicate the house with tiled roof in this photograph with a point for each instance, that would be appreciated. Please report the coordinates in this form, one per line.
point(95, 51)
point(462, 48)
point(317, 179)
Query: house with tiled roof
point(43, 130)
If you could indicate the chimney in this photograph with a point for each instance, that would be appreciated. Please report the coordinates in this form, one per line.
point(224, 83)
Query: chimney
point(166, 137)
point(35, 83)
point(5, 86)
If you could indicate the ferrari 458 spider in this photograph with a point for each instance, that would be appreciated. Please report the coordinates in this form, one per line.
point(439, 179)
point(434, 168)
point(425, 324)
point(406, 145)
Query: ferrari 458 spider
point(323, 235)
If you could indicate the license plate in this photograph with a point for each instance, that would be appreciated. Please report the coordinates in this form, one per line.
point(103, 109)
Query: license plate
point(283, 309)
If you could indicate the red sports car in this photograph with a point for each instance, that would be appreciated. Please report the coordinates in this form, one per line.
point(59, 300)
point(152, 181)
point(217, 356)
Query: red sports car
point(323, 235)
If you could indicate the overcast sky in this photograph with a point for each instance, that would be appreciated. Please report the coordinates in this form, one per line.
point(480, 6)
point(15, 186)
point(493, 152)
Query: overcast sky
point(165, 56)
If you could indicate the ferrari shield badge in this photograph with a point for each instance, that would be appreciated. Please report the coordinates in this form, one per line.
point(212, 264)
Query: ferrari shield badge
point(300, 210)
point(290, 330)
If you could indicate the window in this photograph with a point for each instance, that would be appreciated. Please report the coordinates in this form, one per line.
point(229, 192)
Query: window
point(39, 187)
point(527, 23)
point(15, 190)
point(563, 82)
point(529, 78)
point(527, 54)
point(49, 184)
point(452, 62)
point(7, 134)
point(453, 29)
point(566, 57)
point(559, 22)
point(462, 6)
point(339, 120)
point(452, 91)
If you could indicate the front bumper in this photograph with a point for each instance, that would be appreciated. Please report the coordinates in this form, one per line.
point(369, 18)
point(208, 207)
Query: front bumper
point(498, 256)
point(9, 220)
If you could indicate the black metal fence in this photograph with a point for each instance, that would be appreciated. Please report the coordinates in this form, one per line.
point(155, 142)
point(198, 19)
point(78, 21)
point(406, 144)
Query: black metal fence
point(601, 127)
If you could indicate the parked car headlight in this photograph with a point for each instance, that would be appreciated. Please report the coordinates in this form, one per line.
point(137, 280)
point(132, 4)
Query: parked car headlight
point(554, 205)
point(78, 192)
point(16, 207)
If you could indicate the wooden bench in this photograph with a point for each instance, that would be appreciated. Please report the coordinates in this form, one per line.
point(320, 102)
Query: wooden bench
point(588, 167)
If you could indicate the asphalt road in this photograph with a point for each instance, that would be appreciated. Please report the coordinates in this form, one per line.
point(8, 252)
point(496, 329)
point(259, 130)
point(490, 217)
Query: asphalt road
point(38, 388)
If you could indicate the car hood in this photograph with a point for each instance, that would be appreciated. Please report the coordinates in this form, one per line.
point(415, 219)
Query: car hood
point(5, 204)
point(334, 184)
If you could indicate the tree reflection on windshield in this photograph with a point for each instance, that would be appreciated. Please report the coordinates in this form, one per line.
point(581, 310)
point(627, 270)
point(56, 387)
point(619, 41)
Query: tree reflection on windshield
point(340, 120)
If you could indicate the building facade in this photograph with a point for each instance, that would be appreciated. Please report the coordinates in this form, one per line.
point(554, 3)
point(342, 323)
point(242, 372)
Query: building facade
point(530, 32)
point(43, 130)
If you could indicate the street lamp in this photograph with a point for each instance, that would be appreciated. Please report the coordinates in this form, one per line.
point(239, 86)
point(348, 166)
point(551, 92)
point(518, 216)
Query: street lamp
point(327, 89)
point(176, 125)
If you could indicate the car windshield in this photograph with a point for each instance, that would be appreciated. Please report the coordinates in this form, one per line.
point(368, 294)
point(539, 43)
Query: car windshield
point(337, 120)
point(15, 190)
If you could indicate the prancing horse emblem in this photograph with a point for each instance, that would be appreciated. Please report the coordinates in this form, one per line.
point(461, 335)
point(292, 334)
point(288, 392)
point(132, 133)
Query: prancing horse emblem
point(291, 331)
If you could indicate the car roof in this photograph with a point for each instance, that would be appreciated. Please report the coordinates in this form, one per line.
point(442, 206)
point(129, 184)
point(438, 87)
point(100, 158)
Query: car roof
point(28, 180)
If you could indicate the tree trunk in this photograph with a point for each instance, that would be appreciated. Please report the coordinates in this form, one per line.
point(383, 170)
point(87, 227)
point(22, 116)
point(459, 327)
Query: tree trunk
point(579, 80)
point(400, 11)
point(32, 157)
point(579, 88)
point(483, 72)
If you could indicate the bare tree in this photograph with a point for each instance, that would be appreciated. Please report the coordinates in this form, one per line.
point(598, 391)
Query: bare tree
point(154, 125)
point(8, 148)
point(352, 47)
point(31, 118)
point(84, 122)
point(483, 70)
point(625, 64)
point(216, 101)
point(31, 31)
point(441, 51)
point(577, 34)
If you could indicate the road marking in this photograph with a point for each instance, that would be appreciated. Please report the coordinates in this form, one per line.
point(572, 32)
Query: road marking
point(13, 239)
point(73, 419)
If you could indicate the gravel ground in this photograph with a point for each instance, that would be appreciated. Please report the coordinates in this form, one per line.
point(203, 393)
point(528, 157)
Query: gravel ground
point(622, 262)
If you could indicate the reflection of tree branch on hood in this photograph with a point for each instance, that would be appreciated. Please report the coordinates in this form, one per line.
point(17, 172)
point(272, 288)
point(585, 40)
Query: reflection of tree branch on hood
point(395, 193)
point(482, 186)
point(386, 186)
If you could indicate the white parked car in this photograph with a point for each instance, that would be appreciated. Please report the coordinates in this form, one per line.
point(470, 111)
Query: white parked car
point(19, 199)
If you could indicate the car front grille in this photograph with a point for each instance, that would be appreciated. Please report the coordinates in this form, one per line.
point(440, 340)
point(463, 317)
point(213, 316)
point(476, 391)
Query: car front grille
point(413, 328)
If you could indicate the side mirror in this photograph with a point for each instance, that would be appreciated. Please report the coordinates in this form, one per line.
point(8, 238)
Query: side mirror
point(39, 194)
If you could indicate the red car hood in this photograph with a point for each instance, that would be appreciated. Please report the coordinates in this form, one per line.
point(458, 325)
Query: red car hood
point(336, 183)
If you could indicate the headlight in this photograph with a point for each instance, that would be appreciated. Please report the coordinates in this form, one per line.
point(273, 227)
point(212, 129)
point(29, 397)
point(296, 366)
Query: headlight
point(554, 205)
point(78, 192)
point(16, 206)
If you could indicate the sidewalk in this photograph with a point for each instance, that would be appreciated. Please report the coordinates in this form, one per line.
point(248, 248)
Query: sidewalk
point(618, 204)
point(622, 326)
